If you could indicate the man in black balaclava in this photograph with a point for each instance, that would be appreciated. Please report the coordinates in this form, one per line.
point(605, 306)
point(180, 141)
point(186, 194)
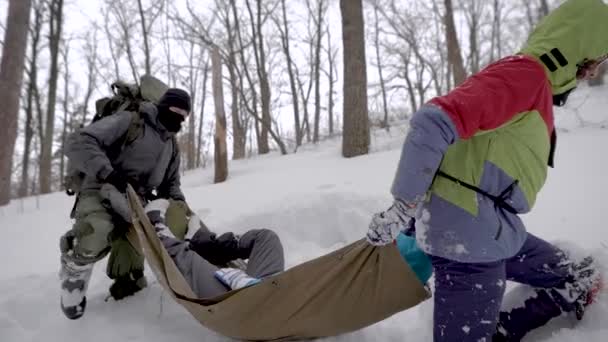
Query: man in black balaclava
point(173, 108)
point(112, 157)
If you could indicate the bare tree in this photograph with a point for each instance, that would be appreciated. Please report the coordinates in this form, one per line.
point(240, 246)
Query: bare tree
point(46, 155)
point(245, 74)
point(65, 106)
point(332, 79)
point(283, 28)
point(192, 80)
point(144, 31)
point(317, 12)
point(221, 151)
point(305, 95)
point(147, 18)
point(454, 55)
point(202, 114)
point(355, 139)
point(239, 133)
point(543, 9)
point(124, 22)
point(260, 58)
point(379, 65)
point(166, 44)
point(91, 59)
point(11, 77)
point(32, 85)
point(496, 39)
point(113, 46)
point(404, 51)
point(474, 11)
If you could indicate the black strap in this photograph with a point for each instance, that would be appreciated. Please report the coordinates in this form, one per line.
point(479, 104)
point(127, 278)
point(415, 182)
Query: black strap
point(551, 161)
point(499, 201)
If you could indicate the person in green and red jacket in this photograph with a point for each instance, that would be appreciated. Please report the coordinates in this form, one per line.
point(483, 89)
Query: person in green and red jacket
point(476, 158)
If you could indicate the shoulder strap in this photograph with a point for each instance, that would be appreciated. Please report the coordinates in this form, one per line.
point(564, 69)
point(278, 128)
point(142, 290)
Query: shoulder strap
point(135, 128)
point(133, 132)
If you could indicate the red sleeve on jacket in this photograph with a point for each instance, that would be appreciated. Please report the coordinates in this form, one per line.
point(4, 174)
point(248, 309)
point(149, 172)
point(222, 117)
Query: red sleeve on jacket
point(496, 94)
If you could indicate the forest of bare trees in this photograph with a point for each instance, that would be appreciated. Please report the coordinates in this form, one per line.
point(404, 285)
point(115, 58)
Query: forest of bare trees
point(264, 76)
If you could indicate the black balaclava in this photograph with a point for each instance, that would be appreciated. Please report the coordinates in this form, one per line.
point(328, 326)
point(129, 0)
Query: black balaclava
point(173, 97)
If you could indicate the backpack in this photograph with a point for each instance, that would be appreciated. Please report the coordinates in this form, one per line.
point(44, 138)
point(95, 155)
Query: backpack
point(125, 97)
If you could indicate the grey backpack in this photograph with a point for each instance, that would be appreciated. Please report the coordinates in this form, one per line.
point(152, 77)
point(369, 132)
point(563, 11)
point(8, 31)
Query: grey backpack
point(125, 97)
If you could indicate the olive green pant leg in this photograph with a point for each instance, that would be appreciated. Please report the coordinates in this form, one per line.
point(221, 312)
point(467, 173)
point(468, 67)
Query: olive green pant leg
point(89, 239)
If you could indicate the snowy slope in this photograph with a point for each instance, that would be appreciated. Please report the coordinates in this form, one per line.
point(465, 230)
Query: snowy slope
point(316, 201)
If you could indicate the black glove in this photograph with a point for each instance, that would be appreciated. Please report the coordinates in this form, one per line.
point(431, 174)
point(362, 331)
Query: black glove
point(70, 192)
point(118, 180)
point(217, 250)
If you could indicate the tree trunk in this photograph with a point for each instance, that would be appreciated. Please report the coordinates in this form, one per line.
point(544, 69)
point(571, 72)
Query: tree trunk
point(264, 85)
point(144, 31)
point(454, 55)
point(238, 134)
point(202, 115)
point(292, 81)
point(410, 85)
point(221, 150)
point(124, 22)
point(317, 67)
point(473, 41)
point(356, 136)
point(91, 58)
point(46, 157)
point(331, 56)
point(65, 107)
point(260, 58)
point(241, 46)
point(305, 128)
point(496, 47)
point(379, 61)
point(543, 10)
point(193, 74)
point(29, 109)
point(529, 15)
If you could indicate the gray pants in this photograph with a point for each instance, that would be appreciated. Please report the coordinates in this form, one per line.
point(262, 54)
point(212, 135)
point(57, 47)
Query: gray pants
point(265, 258)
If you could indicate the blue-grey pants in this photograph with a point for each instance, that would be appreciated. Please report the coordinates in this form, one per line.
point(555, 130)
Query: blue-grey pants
point(468, 296)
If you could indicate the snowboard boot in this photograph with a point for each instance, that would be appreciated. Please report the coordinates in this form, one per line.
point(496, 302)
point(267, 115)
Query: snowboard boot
point(74, 283)
point(583, 289)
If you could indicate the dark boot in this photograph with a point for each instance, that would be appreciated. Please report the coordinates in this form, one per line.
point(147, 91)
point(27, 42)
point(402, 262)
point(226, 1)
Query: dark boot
point(128, 285)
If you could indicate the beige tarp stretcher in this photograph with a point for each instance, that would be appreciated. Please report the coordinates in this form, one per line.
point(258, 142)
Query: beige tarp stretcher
point(341, 292)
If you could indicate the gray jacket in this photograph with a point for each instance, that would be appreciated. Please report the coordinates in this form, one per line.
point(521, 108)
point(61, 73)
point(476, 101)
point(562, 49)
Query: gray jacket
point(151, 162)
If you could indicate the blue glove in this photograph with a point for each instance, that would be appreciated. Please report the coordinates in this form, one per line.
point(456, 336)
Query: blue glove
point(386, 226)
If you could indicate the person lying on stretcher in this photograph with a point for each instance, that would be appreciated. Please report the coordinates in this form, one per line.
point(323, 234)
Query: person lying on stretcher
point(207, 261)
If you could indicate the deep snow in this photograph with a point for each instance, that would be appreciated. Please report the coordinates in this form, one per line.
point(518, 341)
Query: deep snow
point(316, 201)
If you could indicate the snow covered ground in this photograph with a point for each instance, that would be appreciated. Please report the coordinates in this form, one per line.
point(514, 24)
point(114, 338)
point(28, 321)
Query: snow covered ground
point(316, 201)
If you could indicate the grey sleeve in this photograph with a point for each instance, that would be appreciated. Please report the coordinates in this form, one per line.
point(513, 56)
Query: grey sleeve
point(198, 272)
point(431, 133)
point(171, 185)
point(87, 150)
